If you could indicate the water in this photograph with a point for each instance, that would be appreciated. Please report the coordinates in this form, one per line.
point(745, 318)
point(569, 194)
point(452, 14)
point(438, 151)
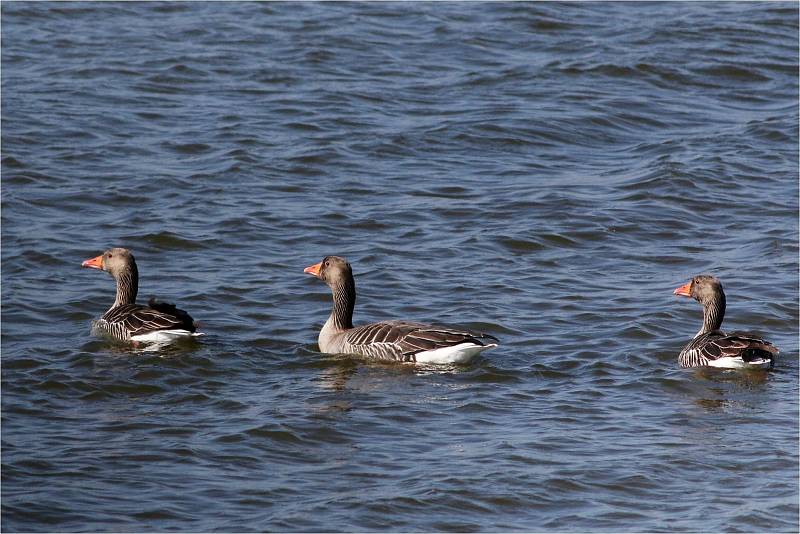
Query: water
point(547, 173)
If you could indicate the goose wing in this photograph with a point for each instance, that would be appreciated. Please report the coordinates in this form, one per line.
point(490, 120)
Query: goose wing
point(137, 320)
point(187, 323)
point(744, 344)
point(716, 345)
point(402, 340)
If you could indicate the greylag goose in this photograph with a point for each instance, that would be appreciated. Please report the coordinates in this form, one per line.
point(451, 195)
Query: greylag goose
point(711, 346)
point(387, 340)
point(125, 320)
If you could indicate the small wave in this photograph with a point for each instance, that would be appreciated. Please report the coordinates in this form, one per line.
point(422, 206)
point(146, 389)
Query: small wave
point(734, 72)
point(189, 148)
point(169, 241)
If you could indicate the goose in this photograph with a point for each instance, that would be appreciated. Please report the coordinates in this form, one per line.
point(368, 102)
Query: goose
point(711, 346)
point(402, 341)
point(125, 320)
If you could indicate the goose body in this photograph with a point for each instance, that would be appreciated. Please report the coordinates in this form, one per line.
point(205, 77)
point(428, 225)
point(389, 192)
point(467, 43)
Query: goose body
point(711, 347)
point(158, 322)
point(402, 341)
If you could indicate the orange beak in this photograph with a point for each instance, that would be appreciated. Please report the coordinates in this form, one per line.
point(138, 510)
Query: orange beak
point(313, 269)
point(684, 291)
point(94, 263)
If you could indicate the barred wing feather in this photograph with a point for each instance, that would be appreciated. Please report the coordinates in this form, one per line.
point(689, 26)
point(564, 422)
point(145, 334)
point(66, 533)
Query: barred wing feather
point(713, 346)
point(736, 344)
point(402, 340)
point(131, 320)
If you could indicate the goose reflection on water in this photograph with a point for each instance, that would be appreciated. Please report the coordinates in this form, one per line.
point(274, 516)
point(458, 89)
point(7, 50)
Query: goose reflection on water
point(349, 372)
point(728, 387)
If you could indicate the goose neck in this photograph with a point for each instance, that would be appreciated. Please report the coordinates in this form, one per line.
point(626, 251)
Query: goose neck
point(344, 301)
point(127, 286)
point(713, 313)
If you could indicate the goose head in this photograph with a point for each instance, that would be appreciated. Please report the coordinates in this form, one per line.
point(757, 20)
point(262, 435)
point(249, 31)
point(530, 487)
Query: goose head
point(115, 261)
point(703, 288)
point(332, 270)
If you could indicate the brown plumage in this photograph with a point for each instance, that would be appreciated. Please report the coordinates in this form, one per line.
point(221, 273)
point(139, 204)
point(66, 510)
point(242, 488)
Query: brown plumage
point(126, 320)
point(713, 347)
point(403, 341)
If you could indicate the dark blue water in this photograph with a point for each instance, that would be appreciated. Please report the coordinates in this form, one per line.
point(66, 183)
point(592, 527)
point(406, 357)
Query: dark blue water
point(545, 172)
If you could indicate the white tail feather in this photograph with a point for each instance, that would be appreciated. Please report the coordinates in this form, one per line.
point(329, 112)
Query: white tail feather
point(739, 363)
point(461, 353)
point(165, 336)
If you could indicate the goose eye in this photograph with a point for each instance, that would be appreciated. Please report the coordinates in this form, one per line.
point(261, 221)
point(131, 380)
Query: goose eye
point(110, 255)
point(327, 264)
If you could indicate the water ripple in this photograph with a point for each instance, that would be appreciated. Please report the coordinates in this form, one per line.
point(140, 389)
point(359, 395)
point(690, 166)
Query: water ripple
point(544, 172)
